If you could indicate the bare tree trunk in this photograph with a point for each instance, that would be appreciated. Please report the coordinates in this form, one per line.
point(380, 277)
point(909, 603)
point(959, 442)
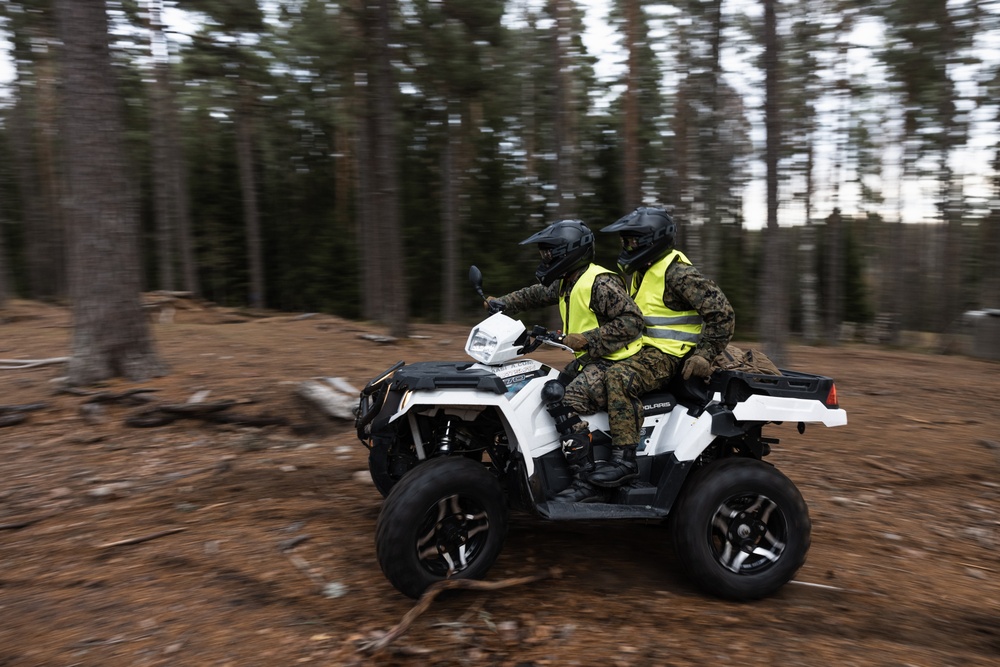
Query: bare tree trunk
point(248, 187)
point(989, 291)
point(394, 301)
point(163, 209)
point(4, 273)
point(834, 306)
point(633, 187)
point(110, 335)
point(33, 132)
point(450, 218)
point(32, 205)
point(773, 306)
point(176, 240)
point(711, 165)
point(566, 111)
point(807, 261)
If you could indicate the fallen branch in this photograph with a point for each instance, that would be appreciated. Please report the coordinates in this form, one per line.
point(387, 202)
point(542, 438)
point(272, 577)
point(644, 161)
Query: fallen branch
point(306, 569)
point(331, 402)
point(143, 538)
point(881, 466)
point(27, 407)
point(12, 418)
point(378, 338)
point(435, 589)
point(18, 364)
point(16, 525)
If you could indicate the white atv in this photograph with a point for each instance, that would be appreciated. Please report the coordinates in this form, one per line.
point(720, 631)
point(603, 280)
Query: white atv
point(455, 445)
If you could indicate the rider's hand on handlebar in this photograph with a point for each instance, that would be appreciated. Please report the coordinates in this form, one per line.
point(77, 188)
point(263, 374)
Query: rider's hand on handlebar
point(575, 341)
point(494, 305)
point(698, 367)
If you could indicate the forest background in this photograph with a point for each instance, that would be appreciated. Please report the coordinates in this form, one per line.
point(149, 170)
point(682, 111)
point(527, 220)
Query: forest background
point(356, 156)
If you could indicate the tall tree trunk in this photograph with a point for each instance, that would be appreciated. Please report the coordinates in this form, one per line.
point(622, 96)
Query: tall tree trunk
point(711, 164)
point(450, 217)
point(248, 189)
point(633, 185)
point(163, 209)
point(171, 178)
point(773, 306)
point(368, 226)
point(566, 111)
point(394, 301)
point(33, 132)
point(834, 269)
point(4, 273)
point(807, 259)
point(110, 334)
point(33, 211)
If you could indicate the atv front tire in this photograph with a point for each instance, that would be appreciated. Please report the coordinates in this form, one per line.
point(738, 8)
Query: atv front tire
point(741, 529)
point(446, 518)
point(387, 469)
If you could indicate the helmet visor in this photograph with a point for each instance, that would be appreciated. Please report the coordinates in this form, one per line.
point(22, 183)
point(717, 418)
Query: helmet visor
point(630, 242)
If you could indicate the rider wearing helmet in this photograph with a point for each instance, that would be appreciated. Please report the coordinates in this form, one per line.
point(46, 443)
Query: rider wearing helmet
point(687, 322)
point(601, 323)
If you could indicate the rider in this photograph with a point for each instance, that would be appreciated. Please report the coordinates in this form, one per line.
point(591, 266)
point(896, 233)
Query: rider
point(688, 321)
point(602, 324)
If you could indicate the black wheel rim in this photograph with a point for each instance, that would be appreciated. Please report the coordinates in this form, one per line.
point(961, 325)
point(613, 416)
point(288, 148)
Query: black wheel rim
point(451, 535)
point(748, 534)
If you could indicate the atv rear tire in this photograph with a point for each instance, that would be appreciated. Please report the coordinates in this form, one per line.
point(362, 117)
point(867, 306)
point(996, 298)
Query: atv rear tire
point(741, 529)
point(446, 518)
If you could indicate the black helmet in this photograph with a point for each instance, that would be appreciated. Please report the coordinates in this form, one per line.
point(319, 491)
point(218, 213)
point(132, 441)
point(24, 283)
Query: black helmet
point(566, 246)
point(647, 235)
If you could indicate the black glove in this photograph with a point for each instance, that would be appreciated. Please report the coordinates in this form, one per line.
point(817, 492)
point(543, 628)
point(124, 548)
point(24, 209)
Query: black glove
point(494, 305)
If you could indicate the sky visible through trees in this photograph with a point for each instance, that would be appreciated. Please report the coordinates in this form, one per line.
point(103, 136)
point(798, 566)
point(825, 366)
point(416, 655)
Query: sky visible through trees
point(355, 156)
point(909, 200)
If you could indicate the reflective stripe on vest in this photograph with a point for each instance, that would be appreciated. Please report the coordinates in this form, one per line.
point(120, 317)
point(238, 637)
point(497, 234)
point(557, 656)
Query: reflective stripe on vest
point(675, 332)
point(580, 317)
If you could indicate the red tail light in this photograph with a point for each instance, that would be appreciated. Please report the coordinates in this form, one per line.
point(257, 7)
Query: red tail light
point(831, 398)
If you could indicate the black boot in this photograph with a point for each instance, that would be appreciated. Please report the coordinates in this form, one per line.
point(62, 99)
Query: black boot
point(620, 469)
point(580, 457)
point(579, 491)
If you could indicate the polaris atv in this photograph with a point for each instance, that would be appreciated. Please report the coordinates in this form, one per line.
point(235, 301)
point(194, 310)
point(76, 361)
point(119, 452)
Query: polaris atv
point(455, 445)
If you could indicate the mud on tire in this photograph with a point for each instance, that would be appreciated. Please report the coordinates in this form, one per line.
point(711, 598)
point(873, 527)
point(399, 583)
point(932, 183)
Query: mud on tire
point(446, 518)
point(741, 529)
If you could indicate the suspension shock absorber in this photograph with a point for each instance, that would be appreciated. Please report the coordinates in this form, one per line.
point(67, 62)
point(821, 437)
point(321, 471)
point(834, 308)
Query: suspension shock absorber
point(445, 440)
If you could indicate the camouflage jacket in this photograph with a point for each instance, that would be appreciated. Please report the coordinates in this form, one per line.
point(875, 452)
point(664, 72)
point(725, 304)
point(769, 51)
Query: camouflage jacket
point(686, 289)
point(619, 318)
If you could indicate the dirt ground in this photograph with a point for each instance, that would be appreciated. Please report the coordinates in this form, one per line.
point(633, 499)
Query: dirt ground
point(260, 539)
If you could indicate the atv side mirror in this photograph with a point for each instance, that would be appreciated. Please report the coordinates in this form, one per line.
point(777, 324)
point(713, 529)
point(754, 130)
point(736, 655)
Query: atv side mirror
point(476, 278)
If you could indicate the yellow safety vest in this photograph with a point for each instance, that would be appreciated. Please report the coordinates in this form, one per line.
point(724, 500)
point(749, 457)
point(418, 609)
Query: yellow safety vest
point(674, 332)
point(577, 316)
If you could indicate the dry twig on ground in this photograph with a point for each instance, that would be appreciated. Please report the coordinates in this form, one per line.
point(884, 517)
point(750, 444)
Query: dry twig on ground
point(449, 584)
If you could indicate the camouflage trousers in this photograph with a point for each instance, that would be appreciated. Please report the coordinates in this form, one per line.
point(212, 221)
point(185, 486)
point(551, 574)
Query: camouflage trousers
point(618, 387)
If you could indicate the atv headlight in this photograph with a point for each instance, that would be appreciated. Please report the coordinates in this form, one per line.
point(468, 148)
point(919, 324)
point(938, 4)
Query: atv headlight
point(482, 346)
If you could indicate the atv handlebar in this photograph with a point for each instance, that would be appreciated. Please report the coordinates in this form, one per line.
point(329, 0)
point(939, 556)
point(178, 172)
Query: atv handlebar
point(539, 336)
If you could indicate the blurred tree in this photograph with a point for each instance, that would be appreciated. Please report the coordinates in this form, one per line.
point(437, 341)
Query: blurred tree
point(173, 214)
point(454, 48)
point(803, 74)
point(927, 41)
point(33, 132)
point(641, 111)
point(5, 290)
point(711, 144)
point(110, 333)
point(384, 227)
point(226, 51)
point(570, 105)
point(773, 305)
